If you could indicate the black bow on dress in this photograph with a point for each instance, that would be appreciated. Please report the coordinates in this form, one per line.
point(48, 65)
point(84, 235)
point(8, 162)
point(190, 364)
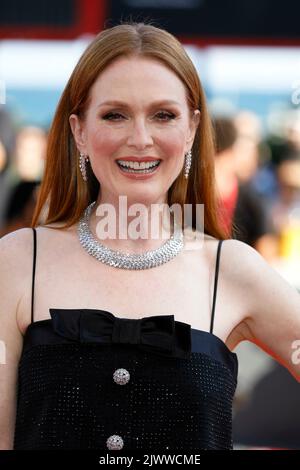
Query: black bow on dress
point(159, 334)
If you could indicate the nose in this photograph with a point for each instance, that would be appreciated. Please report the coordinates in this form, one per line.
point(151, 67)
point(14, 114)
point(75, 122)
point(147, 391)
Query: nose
point(140, 136)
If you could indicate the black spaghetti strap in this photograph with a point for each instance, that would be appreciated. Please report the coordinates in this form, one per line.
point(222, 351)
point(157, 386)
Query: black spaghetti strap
point(215, 286)
point(33, 271)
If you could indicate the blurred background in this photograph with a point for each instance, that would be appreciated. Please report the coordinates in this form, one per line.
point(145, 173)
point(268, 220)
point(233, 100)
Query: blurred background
point(247, 54)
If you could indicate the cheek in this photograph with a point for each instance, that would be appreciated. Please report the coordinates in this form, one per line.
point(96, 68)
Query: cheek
point(173, 143)
point(102, 141)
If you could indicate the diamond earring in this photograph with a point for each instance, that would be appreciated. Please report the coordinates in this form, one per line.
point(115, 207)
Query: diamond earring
point(187, 163)
point(82, 165)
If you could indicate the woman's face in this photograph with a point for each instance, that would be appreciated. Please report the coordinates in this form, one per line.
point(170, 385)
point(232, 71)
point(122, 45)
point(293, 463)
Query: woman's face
point(142, 124)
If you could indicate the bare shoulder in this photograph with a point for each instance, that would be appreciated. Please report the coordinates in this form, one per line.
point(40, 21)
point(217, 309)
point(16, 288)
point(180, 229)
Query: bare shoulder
point(239, 265)
point(16, 255)
point(231, 253)
point(238, 257)
point(16, 266)
point(16, 237)
point(15, 244)
point(244, 266)
point(16, 250)
point(238, 262)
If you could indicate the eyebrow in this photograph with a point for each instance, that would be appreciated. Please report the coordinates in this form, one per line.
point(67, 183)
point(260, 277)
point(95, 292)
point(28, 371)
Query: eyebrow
point(122, 103)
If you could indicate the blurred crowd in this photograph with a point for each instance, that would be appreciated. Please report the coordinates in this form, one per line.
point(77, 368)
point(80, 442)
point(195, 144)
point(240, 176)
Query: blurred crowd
point(22, 156)
point(258, 183)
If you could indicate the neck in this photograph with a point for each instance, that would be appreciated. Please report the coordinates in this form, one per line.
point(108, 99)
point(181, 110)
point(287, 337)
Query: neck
point(115, 227)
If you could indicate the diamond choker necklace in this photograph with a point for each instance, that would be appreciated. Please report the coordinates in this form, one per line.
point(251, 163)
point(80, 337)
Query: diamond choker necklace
point(117, 259)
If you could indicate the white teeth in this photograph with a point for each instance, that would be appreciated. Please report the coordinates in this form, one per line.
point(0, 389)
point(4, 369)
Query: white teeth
point(138, 166)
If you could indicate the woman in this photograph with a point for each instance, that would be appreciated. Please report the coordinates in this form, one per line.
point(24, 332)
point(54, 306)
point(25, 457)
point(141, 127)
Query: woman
point(122, 352)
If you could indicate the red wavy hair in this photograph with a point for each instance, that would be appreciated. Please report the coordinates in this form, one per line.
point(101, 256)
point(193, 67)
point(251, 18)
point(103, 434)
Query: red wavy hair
point(63, 195)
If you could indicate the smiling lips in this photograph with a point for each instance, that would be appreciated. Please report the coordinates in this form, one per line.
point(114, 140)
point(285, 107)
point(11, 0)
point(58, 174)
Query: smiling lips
point(138, 159)
point(138, 166)
point(131, 164)
point(133, 169)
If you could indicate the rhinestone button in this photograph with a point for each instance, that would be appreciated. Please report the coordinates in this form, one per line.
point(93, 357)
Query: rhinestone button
point(121, 376)
point(115, 442)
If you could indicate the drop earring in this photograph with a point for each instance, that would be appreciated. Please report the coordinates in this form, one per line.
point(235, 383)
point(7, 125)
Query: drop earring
point(82, 165)
point(187, 163)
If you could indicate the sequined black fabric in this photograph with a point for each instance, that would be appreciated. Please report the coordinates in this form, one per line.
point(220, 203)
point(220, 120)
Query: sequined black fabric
point(67, 398)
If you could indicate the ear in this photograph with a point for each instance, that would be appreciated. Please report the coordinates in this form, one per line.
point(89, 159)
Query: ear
point(194, 123)
point(78, 131)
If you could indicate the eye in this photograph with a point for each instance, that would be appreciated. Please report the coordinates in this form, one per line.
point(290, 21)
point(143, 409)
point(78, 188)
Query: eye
point(162, 116)
point(165, 116)
point(111, 115)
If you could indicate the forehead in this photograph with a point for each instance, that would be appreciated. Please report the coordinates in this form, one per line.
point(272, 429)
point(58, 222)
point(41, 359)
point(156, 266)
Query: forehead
point(140, 78)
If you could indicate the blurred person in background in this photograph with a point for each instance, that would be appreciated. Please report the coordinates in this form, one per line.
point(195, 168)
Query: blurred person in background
point(20, 207)
point(26, 166)
point(285, 212)
point(3, 157)
point(288, 198)
point(246, 145)
point(242, 208)
point(292, 129)
point(282, 140)
point(225, 163)
point(30, 153)
point(252, 211)
point(7, 145)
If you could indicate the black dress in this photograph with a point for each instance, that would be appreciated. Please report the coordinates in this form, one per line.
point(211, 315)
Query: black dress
point(88, 379)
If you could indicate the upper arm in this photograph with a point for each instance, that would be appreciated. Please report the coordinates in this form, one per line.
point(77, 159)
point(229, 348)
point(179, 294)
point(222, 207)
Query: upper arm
point(14, 250)
point(272, 306)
